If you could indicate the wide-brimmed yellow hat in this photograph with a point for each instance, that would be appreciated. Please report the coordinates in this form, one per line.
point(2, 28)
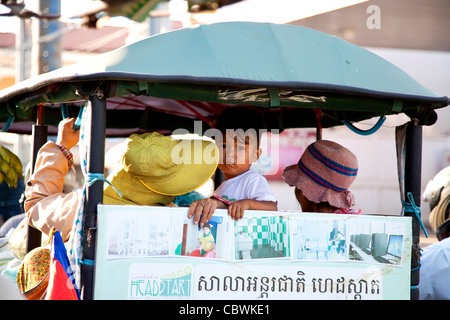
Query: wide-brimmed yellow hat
point(168, 166)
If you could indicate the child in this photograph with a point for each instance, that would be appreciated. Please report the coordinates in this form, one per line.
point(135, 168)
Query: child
point(206, 240)
point(243, 188)
point(322, 177)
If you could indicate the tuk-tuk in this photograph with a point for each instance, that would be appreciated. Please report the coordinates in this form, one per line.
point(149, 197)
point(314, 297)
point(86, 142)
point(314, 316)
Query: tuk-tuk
point(295, 77)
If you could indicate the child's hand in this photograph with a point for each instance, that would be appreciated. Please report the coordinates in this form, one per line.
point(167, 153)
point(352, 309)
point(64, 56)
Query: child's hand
point(236, 209)
point(67, 137)
point(204, 208)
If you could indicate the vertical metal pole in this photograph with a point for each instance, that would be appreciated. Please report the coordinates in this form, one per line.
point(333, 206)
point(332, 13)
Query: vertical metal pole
point(94, 193)
point(39, 133)
point(413, 177)
point(319, 115)
point(23, 51)
point(48, 55)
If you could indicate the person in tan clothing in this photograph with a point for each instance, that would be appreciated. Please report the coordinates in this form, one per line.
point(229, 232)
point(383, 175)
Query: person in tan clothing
point(47, 207)
point(44, 190)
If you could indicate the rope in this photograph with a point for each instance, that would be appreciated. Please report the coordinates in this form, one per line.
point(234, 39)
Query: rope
point(366, 132)
point(91, 178)
point(65, 114)
point(77, 123)
point(64, 111)
point(412, 208)
point(76, 237)
point(8, 124)
point(88, 262)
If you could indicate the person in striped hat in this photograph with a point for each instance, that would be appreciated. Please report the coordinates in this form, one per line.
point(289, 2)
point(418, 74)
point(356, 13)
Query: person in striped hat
point(322, 178)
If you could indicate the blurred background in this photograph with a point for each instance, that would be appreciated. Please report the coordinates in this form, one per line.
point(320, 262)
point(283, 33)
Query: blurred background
point(42, 35)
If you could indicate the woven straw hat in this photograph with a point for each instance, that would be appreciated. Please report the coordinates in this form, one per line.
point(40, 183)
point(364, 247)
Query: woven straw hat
point(168, 166)
point(324, 173)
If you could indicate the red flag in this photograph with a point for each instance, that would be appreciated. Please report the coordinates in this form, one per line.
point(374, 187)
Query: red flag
point(61, 282)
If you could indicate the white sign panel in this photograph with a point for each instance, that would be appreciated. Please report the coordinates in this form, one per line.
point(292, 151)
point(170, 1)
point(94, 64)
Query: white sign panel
point(157, 253)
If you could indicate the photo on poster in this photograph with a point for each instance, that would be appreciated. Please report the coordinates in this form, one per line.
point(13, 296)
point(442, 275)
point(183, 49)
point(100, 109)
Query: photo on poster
point(319, 238)
point(212, 240)
point(262, 236)
point(138, 233)
point(375, 241)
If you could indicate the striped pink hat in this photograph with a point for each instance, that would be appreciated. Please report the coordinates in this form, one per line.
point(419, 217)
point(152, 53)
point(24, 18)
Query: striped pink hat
point(324, 173)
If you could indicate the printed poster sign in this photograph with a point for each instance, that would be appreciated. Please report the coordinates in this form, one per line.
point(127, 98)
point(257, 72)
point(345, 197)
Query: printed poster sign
point(157, 253)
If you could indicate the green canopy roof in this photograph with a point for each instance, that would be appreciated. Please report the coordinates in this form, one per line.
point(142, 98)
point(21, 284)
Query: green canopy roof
point(195, 73)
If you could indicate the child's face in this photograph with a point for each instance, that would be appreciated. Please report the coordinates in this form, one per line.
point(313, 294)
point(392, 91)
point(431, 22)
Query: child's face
point(237, 155)
point(206, 230)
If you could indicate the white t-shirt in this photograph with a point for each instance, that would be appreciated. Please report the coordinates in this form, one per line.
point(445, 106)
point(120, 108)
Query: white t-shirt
point(249, 185)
